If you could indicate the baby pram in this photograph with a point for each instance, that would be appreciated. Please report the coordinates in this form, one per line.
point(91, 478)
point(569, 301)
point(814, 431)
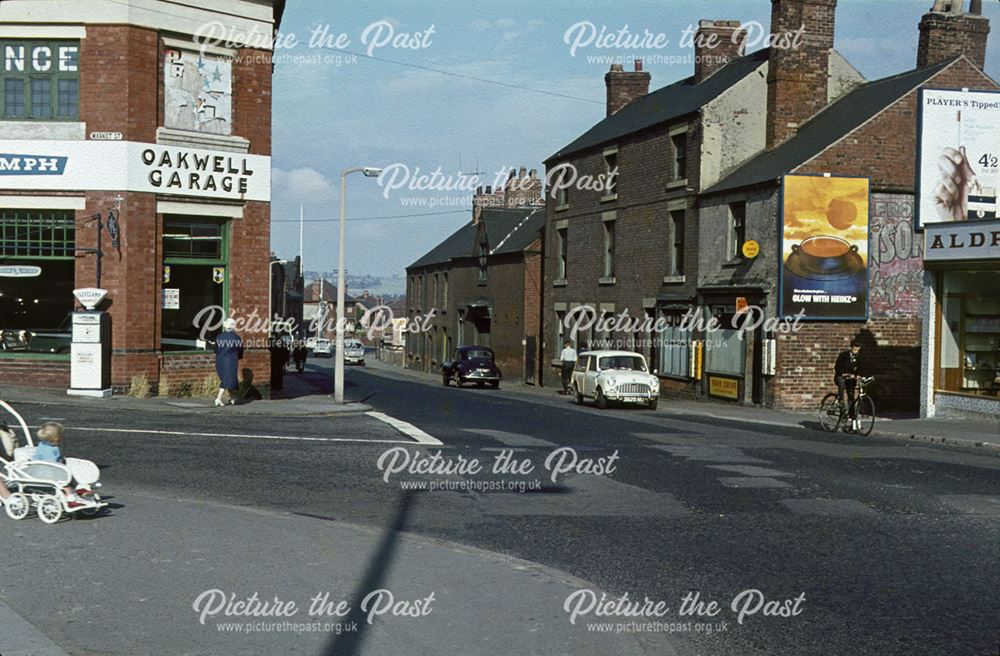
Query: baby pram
point(39, 485)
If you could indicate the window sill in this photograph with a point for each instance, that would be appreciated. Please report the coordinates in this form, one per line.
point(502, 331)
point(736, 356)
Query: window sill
point(562, 208)
point(561, 282)
point(677, 184)
point(607, 281)
point(609, 198)
point(672, 280)
point(729, 264)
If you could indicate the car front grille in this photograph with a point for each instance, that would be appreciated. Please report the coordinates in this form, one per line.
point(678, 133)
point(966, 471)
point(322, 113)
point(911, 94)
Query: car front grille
point(634, 388)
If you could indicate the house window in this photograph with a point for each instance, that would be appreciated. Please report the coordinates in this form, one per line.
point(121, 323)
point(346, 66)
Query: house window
point(611, 173)
point(737, 229)
point(483, 256)
point(675, 266)
point(562, 198)
point(36, 291)
point(444, 291)
point(560, 332)
point(679, 142)
point(562, 244)
point(434, 292)
point(195, 259)
point(609, 250)
point(40, 80)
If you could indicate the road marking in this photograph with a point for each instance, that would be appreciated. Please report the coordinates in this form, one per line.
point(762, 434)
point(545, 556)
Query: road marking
point(510, 439)
point(291, 438)
point(406, 428)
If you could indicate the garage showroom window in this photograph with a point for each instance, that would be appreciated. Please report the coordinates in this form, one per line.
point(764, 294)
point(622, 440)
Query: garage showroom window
point(40, 80)
point(195, 277)
point(36, 280)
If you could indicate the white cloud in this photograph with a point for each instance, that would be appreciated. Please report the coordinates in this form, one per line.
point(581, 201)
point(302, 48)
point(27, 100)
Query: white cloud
point(301, 183)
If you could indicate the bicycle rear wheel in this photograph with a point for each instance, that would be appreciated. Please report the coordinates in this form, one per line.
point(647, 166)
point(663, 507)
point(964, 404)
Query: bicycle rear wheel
point(865, 412)
point(829, 413)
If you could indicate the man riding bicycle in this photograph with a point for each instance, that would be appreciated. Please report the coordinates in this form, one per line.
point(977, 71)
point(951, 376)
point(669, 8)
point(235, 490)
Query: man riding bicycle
point(845, 373)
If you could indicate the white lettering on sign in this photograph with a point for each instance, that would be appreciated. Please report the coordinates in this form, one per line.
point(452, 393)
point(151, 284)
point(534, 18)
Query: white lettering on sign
point(40, 59)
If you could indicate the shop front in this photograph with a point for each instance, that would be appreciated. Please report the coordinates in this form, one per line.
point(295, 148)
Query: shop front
point(961, 353)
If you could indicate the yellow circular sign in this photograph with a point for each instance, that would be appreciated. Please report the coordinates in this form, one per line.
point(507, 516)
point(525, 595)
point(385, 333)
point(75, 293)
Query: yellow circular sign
point(751, 249)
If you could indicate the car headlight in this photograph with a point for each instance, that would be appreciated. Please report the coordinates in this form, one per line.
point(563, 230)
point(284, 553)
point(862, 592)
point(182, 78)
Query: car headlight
point(654, 382)
point(609, 381)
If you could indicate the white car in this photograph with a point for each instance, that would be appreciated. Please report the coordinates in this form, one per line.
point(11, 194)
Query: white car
point(614, 376)
point(354, 352)
point(322, 348)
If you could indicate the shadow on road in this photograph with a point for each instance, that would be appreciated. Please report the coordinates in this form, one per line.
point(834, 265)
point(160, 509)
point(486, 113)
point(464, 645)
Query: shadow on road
point(349, 644)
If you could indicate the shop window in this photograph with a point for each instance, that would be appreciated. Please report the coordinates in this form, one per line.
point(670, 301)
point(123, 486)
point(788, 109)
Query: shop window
point(195, 276)
point(36, 280)
point(40, 80)
point(969, 346)
point(674, 347)
point(725, 352)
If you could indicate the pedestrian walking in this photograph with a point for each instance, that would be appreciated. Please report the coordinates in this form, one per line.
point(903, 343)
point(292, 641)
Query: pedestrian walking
point(228, 353)
point(568, 358)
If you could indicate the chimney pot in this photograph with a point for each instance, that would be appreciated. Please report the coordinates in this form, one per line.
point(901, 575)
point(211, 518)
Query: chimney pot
point(638, 65)
point(521, 172)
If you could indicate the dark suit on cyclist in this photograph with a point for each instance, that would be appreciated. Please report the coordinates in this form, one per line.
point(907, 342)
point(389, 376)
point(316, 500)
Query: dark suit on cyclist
point(848, 364)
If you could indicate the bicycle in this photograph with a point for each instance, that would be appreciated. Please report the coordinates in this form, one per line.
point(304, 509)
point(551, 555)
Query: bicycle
point(833, 414)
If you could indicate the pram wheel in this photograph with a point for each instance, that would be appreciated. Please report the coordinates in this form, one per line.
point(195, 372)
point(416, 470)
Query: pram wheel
point(50, 509)
point(17, 506)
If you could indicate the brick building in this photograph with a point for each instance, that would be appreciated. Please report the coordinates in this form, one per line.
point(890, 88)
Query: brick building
point(483, 285)
point(111, 109)
point(700, 165)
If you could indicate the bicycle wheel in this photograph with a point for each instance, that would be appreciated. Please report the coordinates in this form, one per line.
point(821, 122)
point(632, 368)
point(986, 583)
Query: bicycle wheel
point(864, 410)
point(829, 413)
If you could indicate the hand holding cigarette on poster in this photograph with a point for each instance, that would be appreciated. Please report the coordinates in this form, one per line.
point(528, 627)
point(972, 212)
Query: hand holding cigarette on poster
point(951, 196)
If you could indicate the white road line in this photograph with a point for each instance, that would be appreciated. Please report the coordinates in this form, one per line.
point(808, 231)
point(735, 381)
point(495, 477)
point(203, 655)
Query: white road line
point(406, 428)
point(237, 435)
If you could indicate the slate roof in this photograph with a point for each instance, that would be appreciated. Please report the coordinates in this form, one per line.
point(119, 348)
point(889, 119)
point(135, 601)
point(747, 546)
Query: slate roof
point(509, 230)
point(826, 128)
point(665, 104)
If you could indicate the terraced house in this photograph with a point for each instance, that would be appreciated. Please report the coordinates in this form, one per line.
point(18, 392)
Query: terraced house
point(691, 226)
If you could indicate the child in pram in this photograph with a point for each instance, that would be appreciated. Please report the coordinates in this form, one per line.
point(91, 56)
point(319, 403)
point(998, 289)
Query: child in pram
point(45, 480)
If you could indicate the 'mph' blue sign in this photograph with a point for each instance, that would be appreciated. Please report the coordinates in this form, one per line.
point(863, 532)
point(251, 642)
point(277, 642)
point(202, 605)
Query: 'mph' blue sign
point(31, 164)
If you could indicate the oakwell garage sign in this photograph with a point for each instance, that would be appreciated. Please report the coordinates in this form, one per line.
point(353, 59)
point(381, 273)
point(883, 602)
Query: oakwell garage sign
point(132, 166)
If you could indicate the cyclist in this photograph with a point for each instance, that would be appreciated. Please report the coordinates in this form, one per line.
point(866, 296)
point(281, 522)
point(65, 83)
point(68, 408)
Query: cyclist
point(845, 373)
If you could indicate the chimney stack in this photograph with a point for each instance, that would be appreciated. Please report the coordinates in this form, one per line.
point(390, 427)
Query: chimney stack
point(946, 31)
point(714, 46)
point(624, 87)
point(798, 77)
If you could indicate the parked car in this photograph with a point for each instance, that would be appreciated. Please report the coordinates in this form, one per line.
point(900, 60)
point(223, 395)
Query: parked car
point(322, 348)
point(472, 364)
point(354, 352)
point(614, 376)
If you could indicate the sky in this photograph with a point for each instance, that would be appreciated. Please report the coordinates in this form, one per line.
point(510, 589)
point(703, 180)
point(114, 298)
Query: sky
point(474, 88)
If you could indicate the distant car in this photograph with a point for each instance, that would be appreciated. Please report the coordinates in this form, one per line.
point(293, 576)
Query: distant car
point(614, 376)
point(471, 364)
point(322, 348)
point(354, 352)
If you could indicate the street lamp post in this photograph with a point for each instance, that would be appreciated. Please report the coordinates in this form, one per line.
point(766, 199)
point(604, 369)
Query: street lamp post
point(338, 376)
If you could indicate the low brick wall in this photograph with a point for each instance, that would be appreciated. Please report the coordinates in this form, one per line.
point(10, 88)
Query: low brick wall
point(890, 351)
point(35, 372)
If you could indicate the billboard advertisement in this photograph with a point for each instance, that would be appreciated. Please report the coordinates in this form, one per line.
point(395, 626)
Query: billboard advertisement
point(958, 165)
point(824, 247)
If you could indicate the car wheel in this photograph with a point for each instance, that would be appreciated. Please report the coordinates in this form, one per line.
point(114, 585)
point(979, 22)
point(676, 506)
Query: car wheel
point(653, 402)
point(495, 384)
point(445, 379)
point(459, 381)
point(602, 401)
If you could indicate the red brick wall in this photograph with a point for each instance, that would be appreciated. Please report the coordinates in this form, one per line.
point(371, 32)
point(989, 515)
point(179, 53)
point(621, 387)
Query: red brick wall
point(34, 372)
point(884, 148)
point(890, 352)
point(624, 86)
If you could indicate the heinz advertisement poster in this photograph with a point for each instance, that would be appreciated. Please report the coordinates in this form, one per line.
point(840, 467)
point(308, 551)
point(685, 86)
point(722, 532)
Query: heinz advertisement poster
point(958, 170)
point(824, 255)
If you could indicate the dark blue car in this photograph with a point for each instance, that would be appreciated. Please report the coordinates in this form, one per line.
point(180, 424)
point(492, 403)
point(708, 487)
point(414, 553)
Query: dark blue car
point(472, 364)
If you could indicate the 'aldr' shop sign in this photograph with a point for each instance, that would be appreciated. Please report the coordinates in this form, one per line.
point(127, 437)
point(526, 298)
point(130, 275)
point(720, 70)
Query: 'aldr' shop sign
point(131, 166)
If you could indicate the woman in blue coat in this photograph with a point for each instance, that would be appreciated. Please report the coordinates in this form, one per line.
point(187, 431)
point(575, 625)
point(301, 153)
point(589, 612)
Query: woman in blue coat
point(228, 353)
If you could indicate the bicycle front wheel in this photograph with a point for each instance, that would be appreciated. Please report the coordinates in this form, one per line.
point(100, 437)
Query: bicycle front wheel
point(829, 413)
point(865, 413)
